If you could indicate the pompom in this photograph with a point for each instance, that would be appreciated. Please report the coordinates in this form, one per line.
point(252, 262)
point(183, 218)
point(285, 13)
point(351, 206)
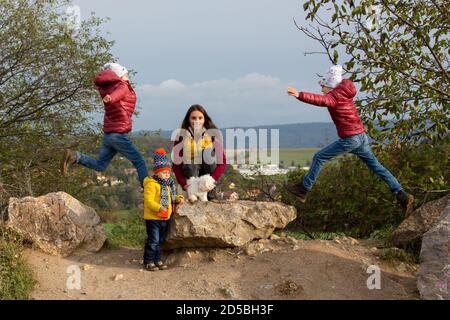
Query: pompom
point(160, 151)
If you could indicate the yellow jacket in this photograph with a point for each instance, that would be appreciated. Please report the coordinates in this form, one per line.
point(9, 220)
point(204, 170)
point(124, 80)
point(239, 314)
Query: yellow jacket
point(190, 145)
point(152, 200)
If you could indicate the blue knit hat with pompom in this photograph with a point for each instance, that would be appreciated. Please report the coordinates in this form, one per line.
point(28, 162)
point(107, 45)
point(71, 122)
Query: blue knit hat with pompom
point(160, 161)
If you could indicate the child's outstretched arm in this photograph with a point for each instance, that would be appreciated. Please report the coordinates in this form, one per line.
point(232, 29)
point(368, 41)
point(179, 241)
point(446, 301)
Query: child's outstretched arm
point(327, 100)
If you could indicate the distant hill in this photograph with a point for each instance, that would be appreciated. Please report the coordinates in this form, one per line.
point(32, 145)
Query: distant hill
point(297, 135)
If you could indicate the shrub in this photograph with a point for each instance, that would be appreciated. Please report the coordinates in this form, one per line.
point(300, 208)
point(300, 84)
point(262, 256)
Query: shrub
point(16, 277)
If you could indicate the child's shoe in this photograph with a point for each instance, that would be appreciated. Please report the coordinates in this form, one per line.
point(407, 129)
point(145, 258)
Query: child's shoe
point(151, 266)
point(406, 201)
point(297, 190)
point(69, 159)
point(161, 265)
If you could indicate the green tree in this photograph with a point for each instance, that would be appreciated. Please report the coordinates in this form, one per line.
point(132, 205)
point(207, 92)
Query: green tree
point(47, 96)
point(399, 53)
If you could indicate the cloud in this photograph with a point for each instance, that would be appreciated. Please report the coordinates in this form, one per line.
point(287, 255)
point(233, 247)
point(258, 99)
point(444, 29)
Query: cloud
point(210, 88)
point(164, 88)
point(252, 99)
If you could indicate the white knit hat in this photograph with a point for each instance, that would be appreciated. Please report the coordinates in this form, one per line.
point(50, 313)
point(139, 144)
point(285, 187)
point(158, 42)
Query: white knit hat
point(116, 68)
point(333, 77)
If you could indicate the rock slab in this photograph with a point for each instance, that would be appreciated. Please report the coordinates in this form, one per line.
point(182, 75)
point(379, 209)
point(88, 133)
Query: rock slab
point(420, 221)
point(433, 279)
point(56, 223)
point(226, 224)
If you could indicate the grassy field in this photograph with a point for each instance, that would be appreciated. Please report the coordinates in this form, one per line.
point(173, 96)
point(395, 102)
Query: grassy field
point(299, 156)
point(124, 228)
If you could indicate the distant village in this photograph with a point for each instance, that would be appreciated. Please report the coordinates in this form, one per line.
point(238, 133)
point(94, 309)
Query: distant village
point(249, 170)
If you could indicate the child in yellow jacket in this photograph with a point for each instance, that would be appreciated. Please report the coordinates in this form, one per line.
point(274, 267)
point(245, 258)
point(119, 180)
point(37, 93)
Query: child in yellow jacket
point(159, 203)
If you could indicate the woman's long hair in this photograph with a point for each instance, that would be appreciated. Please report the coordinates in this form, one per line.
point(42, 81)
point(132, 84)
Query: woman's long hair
point(209, 124)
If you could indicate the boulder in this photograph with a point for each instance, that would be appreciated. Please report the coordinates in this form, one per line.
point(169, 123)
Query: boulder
point(433, 279)
point(56, 223)
point(226, 224)
point(420, 221)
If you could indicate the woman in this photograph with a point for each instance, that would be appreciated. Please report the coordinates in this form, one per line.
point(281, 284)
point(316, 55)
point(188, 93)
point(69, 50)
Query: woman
point(201, 152)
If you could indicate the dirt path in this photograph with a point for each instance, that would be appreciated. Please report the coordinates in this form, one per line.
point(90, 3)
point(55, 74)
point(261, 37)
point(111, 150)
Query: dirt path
point(300, 270)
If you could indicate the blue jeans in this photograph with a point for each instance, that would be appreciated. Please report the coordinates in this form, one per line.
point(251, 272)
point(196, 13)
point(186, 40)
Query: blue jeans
point(156, 234)
point(112, 144)
point(357, 145)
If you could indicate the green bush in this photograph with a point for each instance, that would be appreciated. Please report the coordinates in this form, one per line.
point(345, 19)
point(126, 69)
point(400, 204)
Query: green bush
point(395, 256)
point(16, 277)
point(314, 235)
point(124, 229)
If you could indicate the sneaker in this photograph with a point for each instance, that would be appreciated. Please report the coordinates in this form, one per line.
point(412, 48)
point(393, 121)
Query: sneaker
point(406, 201)
point(151, 266)
point(297, 190)
point(161, 265)
point(69, 158)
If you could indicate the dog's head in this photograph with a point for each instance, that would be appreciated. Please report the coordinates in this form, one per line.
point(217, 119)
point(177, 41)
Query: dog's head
point(206, 183)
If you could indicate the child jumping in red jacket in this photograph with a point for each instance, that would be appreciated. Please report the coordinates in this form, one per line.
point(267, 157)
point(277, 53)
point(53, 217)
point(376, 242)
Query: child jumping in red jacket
point(119, 99)
point(338, 98)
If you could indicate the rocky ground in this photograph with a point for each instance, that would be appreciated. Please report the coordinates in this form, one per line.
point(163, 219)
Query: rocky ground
point(279, 268)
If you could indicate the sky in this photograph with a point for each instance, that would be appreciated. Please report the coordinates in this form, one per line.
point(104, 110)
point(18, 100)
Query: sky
point(234, 57)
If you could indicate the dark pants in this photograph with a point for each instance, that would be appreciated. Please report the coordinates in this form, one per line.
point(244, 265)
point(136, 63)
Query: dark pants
point(197, 170)
point(156, 234)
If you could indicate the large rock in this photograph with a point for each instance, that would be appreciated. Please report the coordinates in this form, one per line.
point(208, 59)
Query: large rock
point(423, 219)
point(226, 224)
point(57, 223)
point(434, 273)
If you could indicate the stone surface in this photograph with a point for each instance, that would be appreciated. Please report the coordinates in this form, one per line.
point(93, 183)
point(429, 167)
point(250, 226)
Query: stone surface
point(420, 221)
point(433, 279)
point(226, 224)
point(56, 223)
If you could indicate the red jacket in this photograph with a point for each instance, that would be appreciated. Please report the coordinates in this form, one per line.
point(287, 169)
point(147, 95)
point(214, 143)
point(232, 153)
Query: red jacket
point(178, 168)
point(341, 107)
point(119, 111)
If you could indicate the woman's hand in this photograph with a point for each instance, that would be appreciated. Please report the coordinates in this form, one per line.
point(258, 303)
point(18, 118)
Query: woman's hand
point(162, 209)
point(293, 92)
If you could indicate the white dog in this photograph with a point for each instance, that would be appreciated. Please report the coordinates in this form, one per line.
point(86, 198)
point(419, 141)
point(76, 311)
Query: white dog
point(198, 188)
